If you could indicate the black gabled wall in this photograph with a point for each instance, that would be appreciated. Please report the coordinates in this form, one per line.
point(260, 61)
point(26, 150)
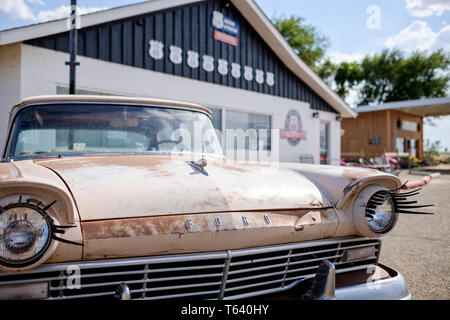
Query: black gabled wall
point(189, 27)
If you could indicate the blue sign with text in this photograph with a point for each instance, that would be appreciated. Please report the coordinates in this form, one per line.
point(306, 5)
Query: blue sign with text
point(225, 24)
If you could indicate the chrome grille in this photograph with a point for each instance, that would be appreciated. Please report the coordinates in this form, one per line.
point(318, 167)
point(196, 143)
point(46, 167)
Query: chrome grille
point(229, 274)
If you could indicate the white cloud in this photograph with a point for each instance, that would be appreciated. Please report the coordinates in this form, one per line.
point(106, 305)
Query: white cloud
point(427, 8)
point(55, 14)
point(338, 57)
point(16, 9)
point(19, 9)
point(352, 98)
point(443, 39)
point(63, 12)
point(40, 2)
point(417, 36)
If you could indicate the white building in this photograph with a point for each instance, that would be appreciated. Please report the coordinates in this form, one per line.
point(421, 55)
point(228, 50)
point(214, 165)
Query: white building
point(225, 55)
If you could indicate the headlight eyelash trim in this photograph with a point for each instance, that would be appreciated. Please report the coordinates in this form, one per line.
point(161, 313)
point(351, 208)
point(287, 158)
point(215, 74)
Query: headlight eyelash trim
point(55, 229)
point(58, 228)
point(399, 200)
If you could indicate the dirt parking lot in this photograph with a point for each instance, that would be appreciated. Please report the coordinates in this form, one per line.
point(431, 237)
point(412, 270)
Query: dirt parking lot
point(419, 246)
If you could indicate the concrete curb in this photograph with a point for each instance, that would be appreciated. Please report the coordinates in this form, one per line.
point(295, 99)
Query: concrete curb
point(425, 173)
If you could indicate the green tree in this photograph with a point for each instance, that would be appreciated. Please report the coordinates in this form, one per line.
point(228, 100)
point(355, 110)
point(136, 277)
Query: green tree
point(389, 76)
point(326, 70)
point(309, 44)
point(347, 76)
point(432, 148)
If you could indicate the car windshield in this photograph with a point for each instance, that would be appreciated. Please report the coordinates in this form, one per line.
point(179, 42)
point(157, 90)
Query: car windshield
point(57, 129)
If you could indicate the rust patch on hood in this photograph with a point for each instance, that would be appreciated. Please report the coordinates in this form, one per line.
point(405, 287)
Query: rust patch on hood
point(234, 169)
point(138, 227)
point(142, 161)
point(233, 166)
point(350, 187)
point(357, 173)
point(9, 171)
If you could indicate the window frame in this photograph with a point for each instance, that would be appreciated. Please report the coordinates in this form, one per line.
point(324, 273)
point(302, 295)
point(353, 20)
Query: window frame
point(270, 116)
point(7, 156)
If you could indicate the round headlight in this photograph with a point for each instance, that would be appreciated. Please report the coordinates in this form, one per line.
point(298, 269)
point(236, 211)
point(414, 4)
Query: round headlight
point(374, 211)
point(380, 213)
point(25, 235)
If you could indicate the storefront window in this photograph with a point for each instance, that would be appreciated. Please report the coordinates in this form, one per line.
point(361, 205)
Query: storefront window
point(216, 118)
point(412, 149)
point(256, 127)
point(324, 142)
point(400, 144)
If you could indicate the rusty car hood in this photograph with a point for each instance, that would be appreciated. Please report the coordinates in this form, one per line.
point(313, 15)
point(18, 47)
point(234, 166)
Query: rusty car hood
point(125, 186)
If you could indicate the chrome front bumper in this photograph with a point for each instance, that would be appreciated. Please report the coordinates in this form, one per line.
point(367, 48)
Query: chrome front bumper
point(388, 289)
point(380, 283)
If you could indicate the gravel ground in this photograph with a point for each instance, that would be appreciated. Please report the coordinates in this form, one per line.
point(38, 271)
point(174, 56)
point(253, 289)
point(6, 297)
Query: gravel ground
point(419, 246)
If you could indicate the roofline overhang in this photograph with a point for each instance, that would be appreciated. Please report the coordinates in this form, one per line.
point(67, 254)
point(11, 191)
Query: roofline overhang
point(426, 107)
point(38, 30)
point(248, 8)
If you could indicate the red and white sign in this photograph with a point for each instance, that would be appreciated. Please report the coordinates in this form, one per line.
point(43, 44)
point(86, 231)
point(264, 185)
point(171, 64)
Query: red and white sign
point(224, 37)
point(295, 135)
point(292, 131)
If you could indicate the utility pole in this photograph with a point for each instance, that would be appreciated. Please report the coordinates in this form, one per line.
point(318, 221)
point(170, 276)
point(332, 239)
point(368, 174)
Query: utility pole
point(73, 47)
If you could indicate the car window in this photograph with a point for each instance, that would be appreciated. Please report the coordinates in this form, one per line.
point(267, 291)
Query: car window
point(83, 128)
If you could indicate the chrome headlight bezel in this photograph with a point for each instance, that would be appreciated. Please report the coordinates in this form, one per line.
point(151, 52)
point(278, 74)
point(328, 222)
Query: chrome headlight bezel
point(363, 207)
point(24, 223)
point(380, 210)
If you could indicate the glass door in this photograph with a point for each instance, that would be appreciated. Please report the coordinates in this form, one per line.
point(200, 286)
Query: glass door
point(324, 142)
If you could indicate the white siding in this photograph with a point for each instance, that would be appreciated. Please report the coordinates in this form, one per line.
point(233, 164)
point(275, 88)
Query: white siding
point(9, 85)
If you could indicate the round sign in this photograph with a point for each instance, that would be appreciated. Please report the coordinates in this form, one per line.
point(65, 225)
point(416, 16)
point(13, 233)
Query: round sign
point(293, 128)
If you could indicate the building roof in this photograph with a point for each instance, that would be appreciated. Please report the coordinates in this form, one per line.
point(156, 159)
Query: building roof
point(423, 107)
point(248, 8)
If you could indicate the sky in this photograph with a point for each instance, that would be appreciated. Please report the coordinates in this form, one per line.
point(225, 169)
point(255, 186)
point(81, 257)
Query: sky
point(354, 28)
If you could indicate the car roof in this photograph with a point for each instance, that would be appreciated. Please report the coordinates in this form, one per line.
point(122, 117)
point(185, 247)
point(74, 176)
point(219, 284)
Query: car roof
point(115, 99)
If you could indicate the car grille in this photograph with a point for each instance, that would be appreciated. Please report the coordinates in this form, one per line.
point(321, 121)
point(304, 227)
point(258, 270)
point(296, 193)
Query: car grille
point(232, 274)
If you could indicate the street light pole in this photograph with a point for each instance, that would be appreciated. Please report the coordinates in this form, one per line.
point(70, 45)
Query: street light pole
point(73, 47)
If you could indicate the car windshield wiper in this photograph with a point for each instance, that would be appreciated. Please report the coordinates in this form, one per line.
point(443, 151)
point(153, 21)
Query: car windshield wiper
point(31, 153)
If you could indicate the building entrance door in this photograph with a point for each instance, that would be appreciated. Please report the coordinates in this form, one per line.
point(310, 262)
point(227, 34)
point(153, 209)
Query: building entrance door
point(324, 142)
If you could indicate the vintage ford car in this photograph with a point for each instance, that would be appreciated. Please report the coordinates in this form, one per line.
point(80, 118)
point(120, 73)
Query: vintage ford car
point(103, 197)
